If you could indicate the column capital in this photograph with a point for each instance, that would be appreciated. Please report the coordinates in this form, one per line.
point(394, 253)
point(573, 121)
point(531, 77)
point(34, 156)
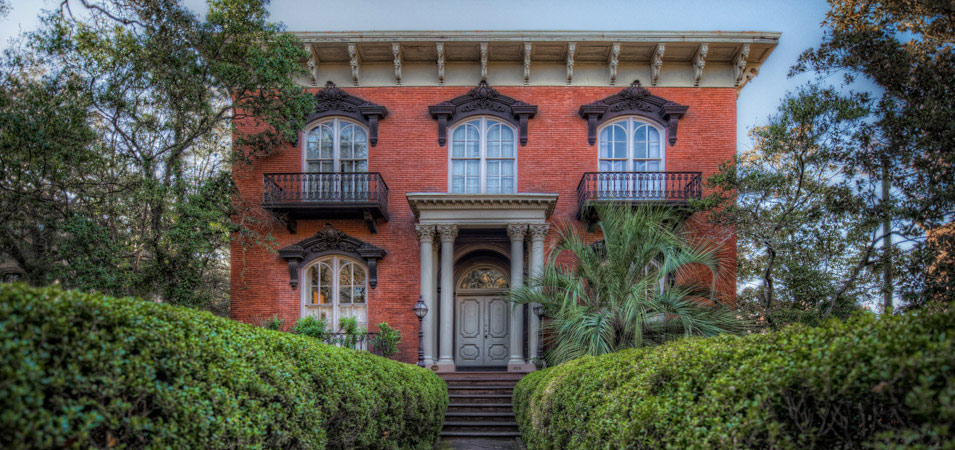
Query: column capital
point(516, 231)
point(538, 231)
point(448, 232)
point(425, 233)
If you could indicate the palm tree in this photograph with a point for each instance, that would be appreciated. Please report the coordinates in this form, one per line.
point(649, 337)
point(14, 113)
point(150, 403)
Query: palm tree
point(634, 288)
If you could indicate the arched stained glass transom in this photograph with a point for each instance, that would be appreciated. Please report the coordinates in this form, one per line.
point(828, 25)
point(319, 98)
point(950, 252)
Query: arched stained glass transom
point(484, 278)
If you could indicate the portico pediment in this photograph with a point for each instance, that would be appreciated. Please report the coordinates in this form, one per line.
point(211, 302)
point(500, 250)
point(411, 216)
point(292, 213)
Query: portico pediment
point(481, 209)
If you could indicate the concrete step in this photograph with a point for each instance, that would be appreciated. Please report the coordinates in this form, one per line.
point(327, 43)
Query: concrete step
point(479, 416)
point(460, 426)
point(503, 377)
point(480, 407)
point(481, 434)
point(478, 398)
point(471, 389)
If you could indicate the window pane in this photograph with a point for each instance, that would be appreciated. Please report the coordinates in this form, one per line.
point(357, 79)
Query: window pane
point(347, 145)
point(473, 185)
point(473, 149)
point(493, 185)
point(606, 166)
point(639, 166)
point(494, 141)
point(507, 142)
point(619, 133)
point(493, 168)
point(507, 185)
point(507, 168)
point(653, 166)
point(640, 150)
point(654, 150)
point(344, 295)
point(474, 168)
point(605, 143)
point(458, 142)
point(358, 293)
point(457, 185)
point(328, 141)
point(457, 168)
point(654, 135)
point(640, 134)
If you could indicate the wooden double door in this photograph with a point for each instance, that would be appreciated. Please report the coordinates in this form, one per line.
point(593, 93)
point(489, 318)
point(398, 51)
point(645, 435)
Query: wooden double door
point(482, 326)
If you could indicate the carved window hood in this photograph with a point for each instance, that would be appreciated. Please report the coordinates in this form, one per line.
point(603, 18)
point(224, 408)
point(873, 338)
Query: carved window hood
point(482, 100)
point(634, 100)
point(334, 101)
point(330, 240)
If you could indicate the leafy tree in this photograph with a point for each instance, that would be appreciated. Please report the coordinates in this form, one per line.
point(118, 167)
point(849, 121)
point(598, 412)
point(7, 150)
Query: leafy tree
point(612, 295)
point(905, 47)
point(807, 222)
point(130, 110)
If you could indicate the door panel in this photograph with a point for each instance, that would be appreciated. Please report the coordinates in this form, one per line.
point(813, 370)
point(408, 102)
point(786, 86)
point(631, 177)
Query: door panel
point(482, 331)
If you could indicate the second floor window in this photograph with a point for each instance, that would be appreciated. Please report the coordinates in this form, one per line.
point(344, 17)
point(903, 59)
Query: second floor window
point(336, 145)
point(483, 157)
point(630, 145)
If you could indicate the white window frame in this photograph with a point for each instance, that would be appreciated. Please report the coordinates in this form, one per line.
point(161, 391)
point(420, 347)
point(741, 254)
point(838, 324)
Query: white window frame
point(632, 124)
point(335, 262)
point(482, 135)
point(336, 143)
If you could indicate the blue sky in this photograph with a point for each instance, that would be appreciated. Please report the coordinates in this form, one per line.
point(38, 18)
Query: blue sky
point(799, 21)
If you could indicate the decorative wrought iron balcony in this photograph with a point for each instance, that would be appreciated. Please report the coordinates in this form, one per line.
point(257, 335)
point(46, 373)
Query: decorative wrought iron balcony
point(674, 188)
point(326, 195)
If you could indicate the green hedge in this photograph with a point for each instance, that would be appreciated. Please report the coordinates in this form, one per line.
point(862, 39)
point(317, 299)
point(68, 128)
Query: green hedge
point(864, 383)
point(80, 370)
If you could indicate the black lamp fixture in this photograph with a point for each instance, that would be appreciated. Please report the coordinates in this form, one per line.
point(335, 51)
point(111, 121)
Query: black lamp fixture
point(420, 310)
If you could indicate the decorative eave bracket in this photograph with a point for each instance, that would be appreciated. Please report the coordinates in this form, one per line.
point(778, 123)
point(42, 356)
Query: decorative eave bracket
point(634, 100)
point(482, 100)
point(330, 240)
point(333, 101)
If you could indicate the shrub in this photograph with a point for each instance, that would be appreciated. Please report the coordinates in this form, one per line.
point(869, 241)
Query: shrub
point(387, 340)
point(273, 323)
point(82, 370)
point(868, 382)
point(311, 327)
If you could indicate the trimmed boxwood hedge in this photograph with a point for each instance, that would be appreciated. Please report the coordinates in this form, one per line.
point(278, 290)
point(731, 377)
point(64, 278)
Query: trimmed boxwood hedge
point(82, 370)
point(865, 383)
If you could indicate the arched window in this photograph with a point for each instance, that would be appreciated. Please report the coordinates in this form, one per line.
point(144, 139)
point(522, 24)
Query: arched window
point(631, 145)
point(336, 287)
point(483, 157)
point(484, 278)
point(336, 145)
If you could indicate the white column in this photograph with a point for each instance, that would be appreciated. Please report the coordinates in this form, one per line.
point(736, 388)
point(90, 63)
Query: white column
point(517, 232)
point(436, 257)
point(446, 325)
point(538, 232)
point(426, 238)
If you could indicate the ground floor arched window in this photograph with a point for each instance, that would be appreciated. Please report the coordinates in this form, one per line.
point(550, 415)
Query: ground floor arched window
point(336, 287)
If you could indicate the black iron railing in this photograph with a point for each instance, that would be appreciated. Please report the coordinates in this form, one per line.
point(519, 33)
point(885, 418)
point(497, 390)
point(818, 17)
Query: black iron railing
point(671, 187)
point(326, 187)
point(354, 341)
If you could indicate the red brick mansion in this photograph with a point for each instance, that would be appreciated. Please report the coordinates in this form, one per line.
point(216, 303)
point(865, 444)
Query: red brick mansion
point(440, 164)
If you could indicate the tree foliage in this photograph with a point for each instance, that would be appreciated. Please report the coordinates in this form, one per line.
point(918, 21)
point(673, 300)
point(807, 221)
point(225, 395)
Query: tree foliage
point(118, 142)
point(610, 296)
point(906, 48)
point(807, 222)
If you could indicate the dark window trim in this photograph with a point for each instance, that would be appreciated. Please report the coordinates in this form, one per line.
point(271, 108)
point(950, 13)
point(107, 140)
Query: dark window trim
point(482, 101)
point(331, 240)
point(334, 101)
point(635, 100)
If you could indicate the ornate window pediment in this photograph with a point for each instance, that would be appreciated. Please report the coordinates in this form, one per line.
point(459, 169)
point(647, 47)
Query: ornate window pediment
point(634, 100)
point(482, 100)
point(331, 240)
point(333, 101)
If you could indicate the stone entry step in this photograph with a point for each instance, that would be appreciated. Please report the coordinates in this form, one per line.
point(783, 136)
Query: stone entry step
point(479, 405)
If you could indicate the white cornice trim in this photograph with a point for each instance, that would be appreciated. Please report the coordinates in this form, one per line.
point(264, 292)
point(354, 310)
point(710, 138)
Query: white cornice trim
point(765, 37)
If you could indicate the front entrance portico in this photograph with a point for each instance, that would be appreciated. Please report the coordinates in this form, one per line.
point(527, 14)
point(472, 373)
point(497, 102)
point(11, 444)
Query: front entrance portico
point(469, 327)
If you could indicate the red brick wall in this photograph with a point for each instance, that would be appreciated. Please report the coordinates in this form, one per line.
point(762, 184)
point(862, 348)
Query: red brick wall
point(410, 160)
